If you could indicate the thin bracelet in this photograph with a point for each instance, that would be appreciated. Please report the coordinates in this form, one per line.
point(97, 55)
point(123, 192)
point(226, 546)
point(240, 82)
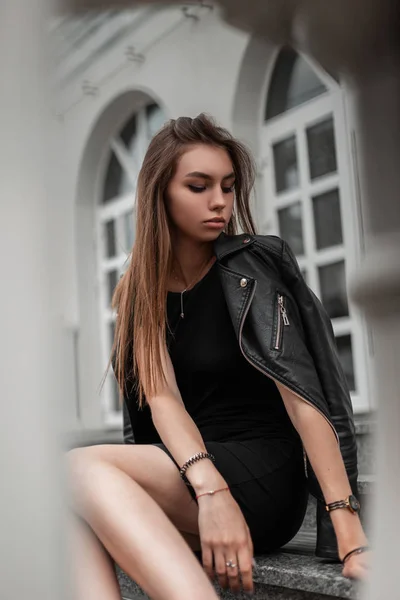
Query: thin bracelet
point(192, 460)
point(212, 492)
point(359, 550)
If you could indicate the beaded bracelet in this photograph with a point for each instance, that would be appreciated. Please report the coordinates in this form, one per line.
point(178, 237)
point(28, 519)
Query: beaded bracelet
point(192, 460)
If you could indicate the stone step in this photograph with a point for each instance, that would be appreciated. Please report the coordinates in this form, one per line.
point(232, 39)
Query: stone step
point(280, 576)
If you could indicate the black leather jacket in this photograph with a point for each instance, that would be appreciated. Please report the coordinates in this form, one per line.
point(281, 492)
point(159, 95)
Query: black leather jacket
point(282, 330)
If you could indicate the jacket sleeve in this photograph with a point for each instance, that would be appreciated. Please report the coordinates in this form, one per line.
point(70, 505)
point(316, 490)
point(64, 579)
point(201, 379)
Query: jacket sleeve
point(321, 344)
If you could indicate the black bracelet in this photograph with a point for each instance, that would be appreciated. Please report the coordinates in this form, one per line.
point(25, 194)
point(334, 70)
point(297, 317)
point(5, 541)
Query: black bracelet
point(192, 460)
point(359, 550)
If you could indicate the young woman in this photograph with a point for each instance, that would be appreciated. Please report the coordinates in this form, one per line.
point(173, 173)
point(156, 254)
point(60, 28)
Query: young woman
point(232, 388)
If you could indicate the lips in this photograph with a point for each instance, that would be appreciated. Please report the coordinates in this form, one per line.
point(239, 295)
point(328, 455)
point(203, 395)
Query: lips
point(216, 220)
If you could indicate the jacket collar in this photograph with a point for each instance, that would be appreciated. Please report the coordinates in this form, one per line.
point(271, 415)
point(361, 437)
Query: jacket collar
point(227, 244)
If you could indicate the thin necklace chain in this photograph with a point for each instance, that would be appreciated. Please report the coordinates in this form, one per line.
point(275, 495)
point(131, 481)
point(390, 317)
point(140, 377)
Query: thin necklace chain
point(192, 283)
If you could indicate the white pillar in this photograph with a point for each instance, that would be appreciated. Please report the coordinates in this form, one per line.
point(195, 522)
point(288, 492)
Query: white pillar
point(31, 536)
point(377, 291)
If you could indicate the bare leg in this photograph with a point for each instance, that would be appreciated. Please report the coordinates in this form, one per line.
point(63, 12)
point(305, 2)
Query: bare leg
point(137, 534)
point(93, 574)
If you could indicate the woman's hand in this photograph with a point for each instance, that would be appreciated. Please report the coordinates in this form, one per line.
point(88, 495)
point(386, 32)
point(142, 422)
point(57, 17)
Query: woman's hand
point(225, 537)
point(357, 566)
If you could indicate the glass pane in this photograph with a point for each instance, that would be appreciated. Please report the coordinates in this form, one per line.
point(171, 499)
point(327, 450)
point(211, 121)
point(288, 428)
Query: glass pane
point(113, 179)
point(155, 119)
point(327, 219)
point(112, 280)
point(321, 149)
point(111, 333)
point(285, 165)
point(346, 358)
point(115, 404)
point(333, 289)
point(111, 246)
point(293, 83)
point(129, 131)
point(290, 227)
point(129, 230)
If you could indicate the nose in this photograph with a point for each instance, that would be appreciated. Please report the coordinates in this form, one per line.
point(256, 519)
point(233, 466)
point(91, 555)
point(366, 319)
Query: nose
point(217, 199)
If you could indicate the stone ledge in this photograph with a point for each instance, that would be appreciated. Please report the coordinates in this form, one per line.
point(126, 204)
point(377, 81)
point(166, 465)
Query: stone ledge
point(280, 576)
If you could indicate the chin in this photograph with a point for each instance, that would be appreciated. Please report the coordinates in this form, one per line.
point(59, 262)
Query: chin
point(209, 236)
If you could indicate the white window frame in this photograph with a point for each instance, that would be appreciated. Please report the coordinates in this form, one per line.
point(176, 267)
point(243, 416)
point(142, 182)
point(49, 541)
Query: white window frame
point(114, 209)
point(295, 122)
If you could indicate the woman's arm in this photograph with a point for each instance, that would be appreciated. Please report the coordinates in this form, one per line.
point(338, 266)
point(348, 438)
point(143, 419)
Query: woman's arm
point(326, 460)
point(178, 431)
point(224, 534)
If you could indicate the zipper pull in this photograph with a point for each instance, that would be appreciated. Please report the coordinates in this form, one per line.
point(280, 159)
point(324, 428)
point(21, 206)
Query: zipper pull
point(283, 311)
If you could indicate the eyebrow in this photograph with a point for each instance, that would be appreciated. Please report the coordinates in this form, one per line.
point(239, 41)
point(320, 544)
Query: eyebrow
point(208, 177)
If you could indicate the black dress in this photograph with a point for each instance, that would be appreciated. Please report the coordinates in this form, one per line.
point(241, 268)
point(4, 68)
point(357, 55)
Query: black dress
point(240, 415)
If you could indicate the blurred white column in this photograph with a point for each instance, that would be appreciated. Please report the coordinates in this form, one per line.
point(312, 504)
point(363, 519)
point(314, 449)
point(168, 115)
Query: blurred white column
point(377, 290)
point(31, 550)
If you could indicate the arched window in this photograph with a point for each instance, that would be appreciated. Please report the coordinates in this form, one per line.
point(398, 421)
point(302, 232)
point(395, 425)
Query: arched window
point(293, 83)
point(116, 228)
point(308, 196)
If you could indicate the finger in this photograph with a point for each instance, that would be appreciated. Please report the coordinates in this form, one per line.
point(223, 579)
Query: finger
point(245, 558)
point(220, 567)
point(233, 571)
point(207, 559)
point(251, 548)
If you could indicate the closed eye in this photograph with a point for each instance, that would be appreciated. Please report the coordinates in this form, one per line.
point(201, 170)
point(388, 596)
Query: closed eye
point(228, 190)
point(196, 188)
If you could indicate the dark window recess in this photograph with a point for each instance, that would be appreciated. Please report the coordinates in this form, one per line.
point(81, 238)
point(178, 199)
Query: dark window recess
point(293, 83)
point(113, 179)
point(345, 351)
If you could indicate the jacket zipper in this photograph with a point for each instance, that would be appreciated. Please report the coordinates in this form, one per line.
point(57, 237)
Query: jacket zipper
point(267, 375)
point(281, 318)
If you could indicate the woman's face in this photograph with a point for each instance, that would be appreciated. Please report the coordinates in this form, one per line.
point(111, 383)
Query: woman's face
point(200, 194)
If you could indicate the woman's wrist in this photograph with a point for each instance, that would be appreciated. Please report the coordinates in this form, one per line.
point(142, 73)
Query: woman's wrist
point(204, 477)
point(349, 531)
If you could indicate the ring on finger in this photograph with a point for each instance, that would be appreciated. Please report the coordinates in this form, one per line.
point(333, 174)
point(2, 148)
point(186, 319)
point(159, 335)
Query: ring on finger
point(230, 564)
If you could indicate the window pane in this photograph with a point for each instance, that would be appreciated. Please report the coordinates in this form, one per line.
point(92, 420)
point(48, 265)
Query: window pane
point(285, 165)
point(115, 404)
point(112, 280)
point(111, 245)
point(155, 119)
point(129, 131)
point(321, 149)
point(333, 289)
point(293, 83)
point(111, 333)
point(290, 227)
point(346, 358)
point(113, 179)
point(327, 219)
point(129, 230)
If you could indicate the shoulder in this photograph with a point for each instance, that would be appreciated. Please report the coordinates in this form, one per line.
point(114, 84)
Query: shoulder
point(269, 245)
point(272, 244)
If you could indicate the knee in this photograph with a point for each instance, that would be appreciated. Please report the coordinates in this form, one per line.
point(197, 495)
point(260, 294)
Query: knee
point(80, 466)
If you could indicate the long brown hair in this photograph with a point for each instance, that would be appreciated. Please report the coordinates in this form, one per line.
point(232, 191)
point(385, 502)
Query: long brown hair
point(140, 296)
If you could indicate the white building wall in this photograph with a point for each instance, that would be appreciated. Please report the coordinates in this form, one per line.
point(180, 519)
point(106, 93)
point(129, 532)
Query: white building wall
point(191, 64)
